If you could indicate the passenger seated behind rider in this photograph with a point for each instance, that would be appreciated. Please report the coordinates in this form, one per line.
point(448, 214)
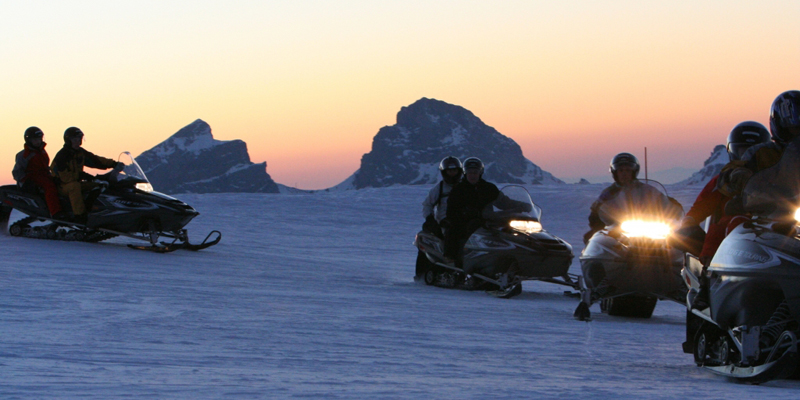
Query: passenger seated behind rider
point(784, 125)
point(68, 169)
point(32, 166)
point(434, 207)
point(624, 168)
point(711, 202)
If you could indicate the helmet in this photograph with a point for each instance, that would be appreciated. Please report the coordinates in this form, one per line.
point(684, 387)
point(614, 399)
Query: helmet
point(473, 163)
point(744, 135)
point(72, 132)
point(784, 117)
point(32, 132)
point(449, 163)
point(624, 159)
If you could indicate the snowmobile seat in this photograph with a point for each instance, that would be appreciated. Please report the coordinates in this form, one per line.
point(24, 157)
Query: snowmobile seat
point(31, 188)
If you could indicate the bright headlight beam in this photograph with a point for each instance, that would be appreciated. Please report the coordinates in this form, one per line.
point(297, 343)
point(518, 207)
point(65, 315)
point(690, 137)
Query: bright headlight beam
point(526, 226)
point(797, 215)
point(652, 230)
point(145, 187)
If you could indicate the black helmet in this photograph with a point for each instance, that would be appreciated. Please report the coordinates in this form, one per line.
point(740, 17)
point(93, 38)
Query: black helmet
point(32, 132)
point(744, 135)
point(624, 159)
point(473, 163)
point(448, 163)
point(70, 133)
point(784, 116)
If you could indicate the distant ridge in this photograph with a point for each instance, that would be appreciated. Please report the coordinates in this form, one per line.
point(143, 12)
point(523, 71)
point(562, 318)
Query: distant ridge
point(409, 152)
point(192, 161)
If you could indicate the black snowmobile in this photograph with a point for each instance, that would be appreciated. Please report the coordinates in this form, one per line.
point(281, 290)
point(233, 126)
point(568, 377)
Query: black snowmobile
point(509, 248)
point(628, 266)
point(123, 204)
point(743, 312)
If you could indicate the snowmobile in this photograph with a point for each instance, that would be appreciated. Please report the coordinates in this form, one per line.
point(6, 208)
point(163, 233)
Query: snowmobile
point(122, 204)
point(628, 266)
point(510, 247)
point(743, 311)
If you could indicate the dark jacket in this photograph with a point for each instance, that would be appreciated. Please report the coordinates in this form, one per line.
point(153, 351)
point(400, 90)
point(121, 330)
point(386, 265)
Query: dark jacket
point(595, 223)
point(467, 201)
point(30, 162)
point(68, 164)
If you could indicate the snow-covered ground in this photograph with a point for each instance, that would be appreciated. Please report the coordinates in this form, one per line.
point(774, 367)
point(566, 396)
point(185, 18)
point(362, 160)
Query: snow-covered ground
point(311, 295)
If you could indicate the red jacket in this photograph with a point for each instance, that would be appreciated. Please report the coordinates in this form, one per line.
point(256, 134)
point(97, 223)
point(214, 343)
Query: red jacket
point(710, 202)
point(33, 162)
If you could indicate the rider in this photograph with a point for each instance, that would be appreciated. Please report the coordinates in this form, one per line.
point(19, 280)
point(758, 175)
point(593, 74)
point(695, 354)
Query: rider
point(68, 168)
point(465, 206)
point(33, 165)
point(711, 202)
point(624, 168)
point(434, 207)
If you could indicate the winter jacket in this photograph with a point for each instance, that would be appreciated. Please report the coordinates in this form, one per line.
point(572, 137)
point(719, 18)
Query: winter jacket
point(30, 162)
point(68, 164)
point(711, 203)
point(437, 199)
point(467, 201)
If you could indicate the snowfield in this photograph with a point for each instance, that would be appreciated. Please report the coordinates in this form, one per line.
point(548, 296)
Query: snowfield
point(311, 295)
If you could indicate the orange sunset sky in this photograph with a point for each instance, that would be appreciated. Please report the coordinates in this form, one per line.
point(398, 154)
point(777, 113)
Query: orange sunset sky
point(307, 84)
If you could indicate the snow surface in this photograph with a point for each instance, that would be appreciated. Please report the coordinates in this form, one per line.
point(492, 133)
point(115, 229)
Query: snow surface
point(311, 295)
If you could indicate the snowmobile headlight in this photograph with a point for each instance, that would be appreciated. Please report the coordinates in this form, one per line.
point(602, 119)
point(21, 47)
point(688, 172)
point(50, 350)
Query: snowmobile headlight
point(526, 226)
point(145, 187)
point(797, 215)
point(648, 229)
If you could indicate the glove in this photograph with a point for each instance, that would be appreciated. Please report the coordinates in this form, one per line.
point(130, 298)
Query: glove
point(587, 236)
point(735, 206)
point(119, 167)
point(688, 221)
point(688, 238)
point(430, 224)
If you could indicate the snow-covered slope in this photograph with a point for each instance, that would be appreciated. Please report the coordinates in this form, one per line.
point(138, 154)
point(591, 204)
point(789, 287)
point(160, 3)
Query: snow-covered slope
point(711, 167)
point(193, 161)
point(311, 296)
point(428, 130)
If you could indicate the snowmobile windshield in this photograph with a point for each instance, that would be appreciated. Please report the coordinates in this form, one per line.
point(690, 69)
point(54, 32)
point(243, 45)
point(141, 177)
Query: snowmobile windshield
point(642, 200)
point(133, 173)
point(775, 191)
point(513, 202)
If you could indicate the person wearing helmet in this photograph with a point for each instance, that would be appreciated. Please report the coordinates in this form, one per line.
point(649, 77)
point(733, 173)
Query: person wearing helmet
point(434, 207)
point(465, 207)
point(624, 168)
point(640, 197)
point(711, 202)
point(784, 125)
point(68, 166)
point(32, 167)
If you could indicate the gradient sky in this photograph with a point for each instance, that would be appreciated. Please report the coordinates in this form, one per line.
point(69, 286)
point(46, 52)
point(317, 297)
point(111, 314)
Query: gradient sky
point(308, 84)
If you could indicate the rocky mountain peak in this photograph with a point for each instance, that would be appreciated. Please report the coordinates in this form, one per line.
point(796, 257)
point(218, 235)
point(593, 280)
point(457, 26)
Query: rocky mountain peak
point(429, 130)
point(193, 161)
